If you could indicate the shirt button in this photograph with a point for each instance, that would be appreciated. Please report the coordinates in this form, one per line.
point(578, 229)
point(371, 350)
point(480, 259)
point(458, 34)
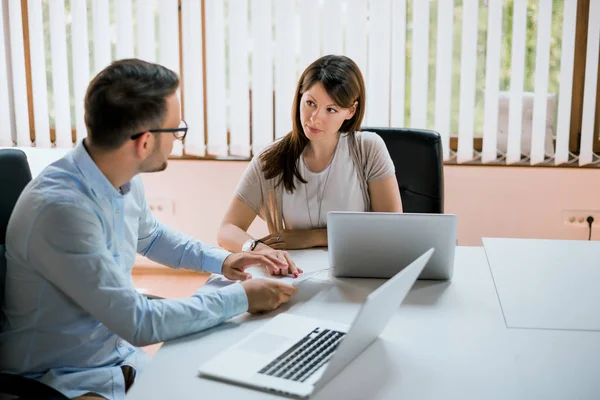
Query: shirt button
point(118, 212)
point(121, 248)
point(121, 344)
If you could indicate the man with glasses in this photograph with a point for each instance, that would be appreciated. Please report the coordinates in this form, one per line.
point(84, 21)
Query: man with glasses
point(71, 315)
point(180, 132)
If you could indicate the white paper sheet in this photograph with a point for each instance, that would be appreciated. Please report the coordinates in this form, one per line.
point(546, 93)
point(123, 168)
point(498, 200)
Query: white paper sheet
point(261, 273)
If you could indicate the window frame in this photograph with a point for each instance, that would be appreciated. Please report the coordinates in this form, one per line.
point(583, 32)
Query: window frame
point(582, 19)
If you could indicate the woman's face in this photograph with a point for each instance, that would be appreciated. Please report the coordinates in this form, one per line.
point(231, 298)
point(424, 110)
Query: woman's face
point(321, 118)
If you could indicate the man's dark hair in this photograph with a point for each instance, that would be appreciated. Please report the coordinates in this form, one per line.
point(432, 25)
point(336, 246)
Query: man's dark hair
point(127, 97)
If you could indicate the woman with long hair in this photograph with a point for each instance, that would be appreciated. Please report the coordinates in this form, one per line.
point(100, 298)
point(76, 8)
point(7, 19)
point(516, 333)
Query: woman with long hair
point(324, 164)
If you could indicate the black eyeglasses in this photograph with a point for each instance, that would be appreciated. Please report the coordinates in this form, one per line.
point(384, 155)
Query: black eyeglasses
point(179, 132)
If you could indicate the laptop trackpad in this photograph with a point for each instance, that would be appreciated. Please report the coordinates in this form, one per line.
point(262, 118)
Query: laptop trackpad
point(263, 343)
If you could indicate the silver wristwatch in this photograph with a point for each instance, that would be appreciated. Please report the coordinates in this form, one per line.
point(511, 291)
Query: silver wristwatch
point(250, 244)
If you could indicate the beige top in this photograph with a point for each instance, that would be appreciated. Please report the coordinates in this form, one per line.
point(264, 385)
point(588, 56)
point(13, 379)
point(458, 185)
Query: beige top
point(356, 163)
point(336, 188)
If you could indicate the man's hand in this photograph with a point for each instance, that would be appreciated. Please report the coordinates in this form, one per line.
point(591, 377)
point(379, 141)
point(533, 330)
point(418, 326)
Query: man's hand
point(266, 295)
point(235, 264)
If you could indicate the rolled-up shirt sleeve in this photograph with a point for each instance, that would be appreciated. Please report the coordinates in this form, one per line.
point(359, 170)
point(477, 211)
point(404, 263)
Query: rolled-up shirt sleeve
point(67, 246)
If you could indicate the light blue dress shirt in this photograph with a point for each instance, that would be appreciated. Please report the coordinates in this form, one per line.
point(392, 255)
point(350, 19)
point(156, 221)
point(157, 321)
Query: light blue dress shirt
point(71, 314)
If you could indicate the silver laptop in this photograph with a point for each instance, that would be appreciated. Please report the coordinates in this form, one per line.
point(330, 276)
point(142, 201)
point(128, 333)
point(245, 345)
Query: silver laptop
point(295, 356)
point(378, 245)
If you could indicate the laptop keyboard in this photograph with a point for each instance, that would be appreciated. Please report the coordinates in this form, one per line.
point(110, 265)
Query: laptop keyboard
point(305, 357)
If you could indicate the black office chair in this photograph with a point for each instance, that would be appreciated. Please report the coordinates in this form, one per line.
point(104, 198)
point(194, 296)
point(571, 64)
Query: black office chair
point(14, 176)
point(418, 157)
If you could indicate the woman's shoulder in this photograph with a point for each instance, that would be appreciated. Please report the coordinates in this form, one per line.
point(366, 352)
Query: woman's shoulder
point(258, 162)
point(258, 156)
point(369, 140)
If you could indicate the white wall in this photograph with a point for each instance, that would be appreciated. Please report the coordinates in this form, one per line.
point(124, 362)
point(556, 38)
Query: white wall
point(489, 201)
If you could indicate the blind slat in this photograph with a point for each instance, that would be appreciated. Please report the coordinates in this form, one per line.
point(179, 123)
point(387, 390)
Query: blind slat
point(101, 27)
point(517, 76)
point(542, 63)
point(60, 76)
point(81, 63)
point(468, 72)
point(310, 45)
point(563, 123)
point(332, 27)
point(124, 18)
point(146, 34)
point(398, 78)
point(378, 84)
point(356, 33)
point(492, 79)
point(168, 50)
point(443, 73)
point(39, 84)
point(215, 77)
point(322, 29)
point(586, 153)
point(419, 64)
point(262, 75)
point(168, 34)
point(239, 115)
point(285, 66)
point(19, 85)
point(192, 76)
point(5, 115)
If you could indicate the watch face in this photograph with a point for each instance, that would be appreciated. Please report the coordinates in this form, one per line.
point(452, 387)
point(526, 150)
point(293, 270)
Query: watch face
point(248, 245)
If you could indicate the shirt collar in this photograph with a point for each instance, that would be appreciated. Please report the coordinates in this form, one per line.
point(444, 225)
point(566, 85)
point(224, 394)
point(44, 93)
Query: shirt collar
point(92, 174)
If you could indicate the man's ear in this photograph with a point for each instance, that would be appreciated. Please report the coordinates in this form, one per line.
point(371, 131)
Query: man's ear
point(144, 144)
point(352, 110)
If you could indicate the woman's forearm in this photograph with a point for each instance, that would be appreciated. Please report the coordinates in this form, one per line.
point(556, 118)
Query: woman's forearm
point(294, 239)
point(232, 237)
point(319, 237)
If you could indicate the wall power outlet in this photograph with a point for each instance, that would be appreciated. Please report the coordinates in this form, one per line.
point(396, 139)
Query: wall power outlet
point(578, 218)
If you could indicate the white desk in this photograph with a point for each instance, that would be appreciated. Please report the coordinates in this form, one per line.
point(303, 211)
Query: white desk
point(447, 341)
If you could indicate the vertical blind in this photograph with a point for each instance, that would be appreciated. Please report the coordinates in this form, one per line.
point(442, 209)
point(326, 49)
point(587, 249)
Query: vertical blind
point(427, 64)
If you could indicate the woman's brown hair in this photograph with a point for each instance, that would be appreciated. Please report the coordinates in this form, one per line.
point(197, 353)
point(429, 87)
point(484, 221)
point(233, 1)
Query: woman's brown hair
point(343, 82)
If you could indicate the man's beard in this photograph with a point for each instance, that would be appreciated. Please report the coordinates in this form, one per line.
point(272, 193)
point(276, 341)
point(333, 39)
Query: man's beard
point(158, 168)
point(149, 165)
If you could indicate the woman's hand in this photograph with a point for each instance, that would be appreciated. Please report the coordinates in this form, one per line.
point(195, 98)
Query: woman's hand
point(286, 264)
point(235, 264)
point(291, 239)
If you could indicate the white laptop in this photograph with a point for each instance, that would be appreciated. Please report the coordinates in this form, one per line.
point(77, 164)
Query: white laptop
point(295, 356)
point(378, 245)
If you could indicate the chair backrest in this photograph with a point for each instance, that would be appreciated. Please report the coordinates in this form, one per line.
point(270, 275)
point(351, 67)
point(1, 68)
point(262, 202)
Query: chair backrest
point(14, 176)
point(418, 158)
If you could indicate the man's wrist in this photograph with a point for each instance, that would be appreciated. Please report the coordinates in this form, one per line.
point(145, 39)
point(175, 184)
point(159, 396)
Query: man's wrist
point(237, 299)
point(213, 260)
